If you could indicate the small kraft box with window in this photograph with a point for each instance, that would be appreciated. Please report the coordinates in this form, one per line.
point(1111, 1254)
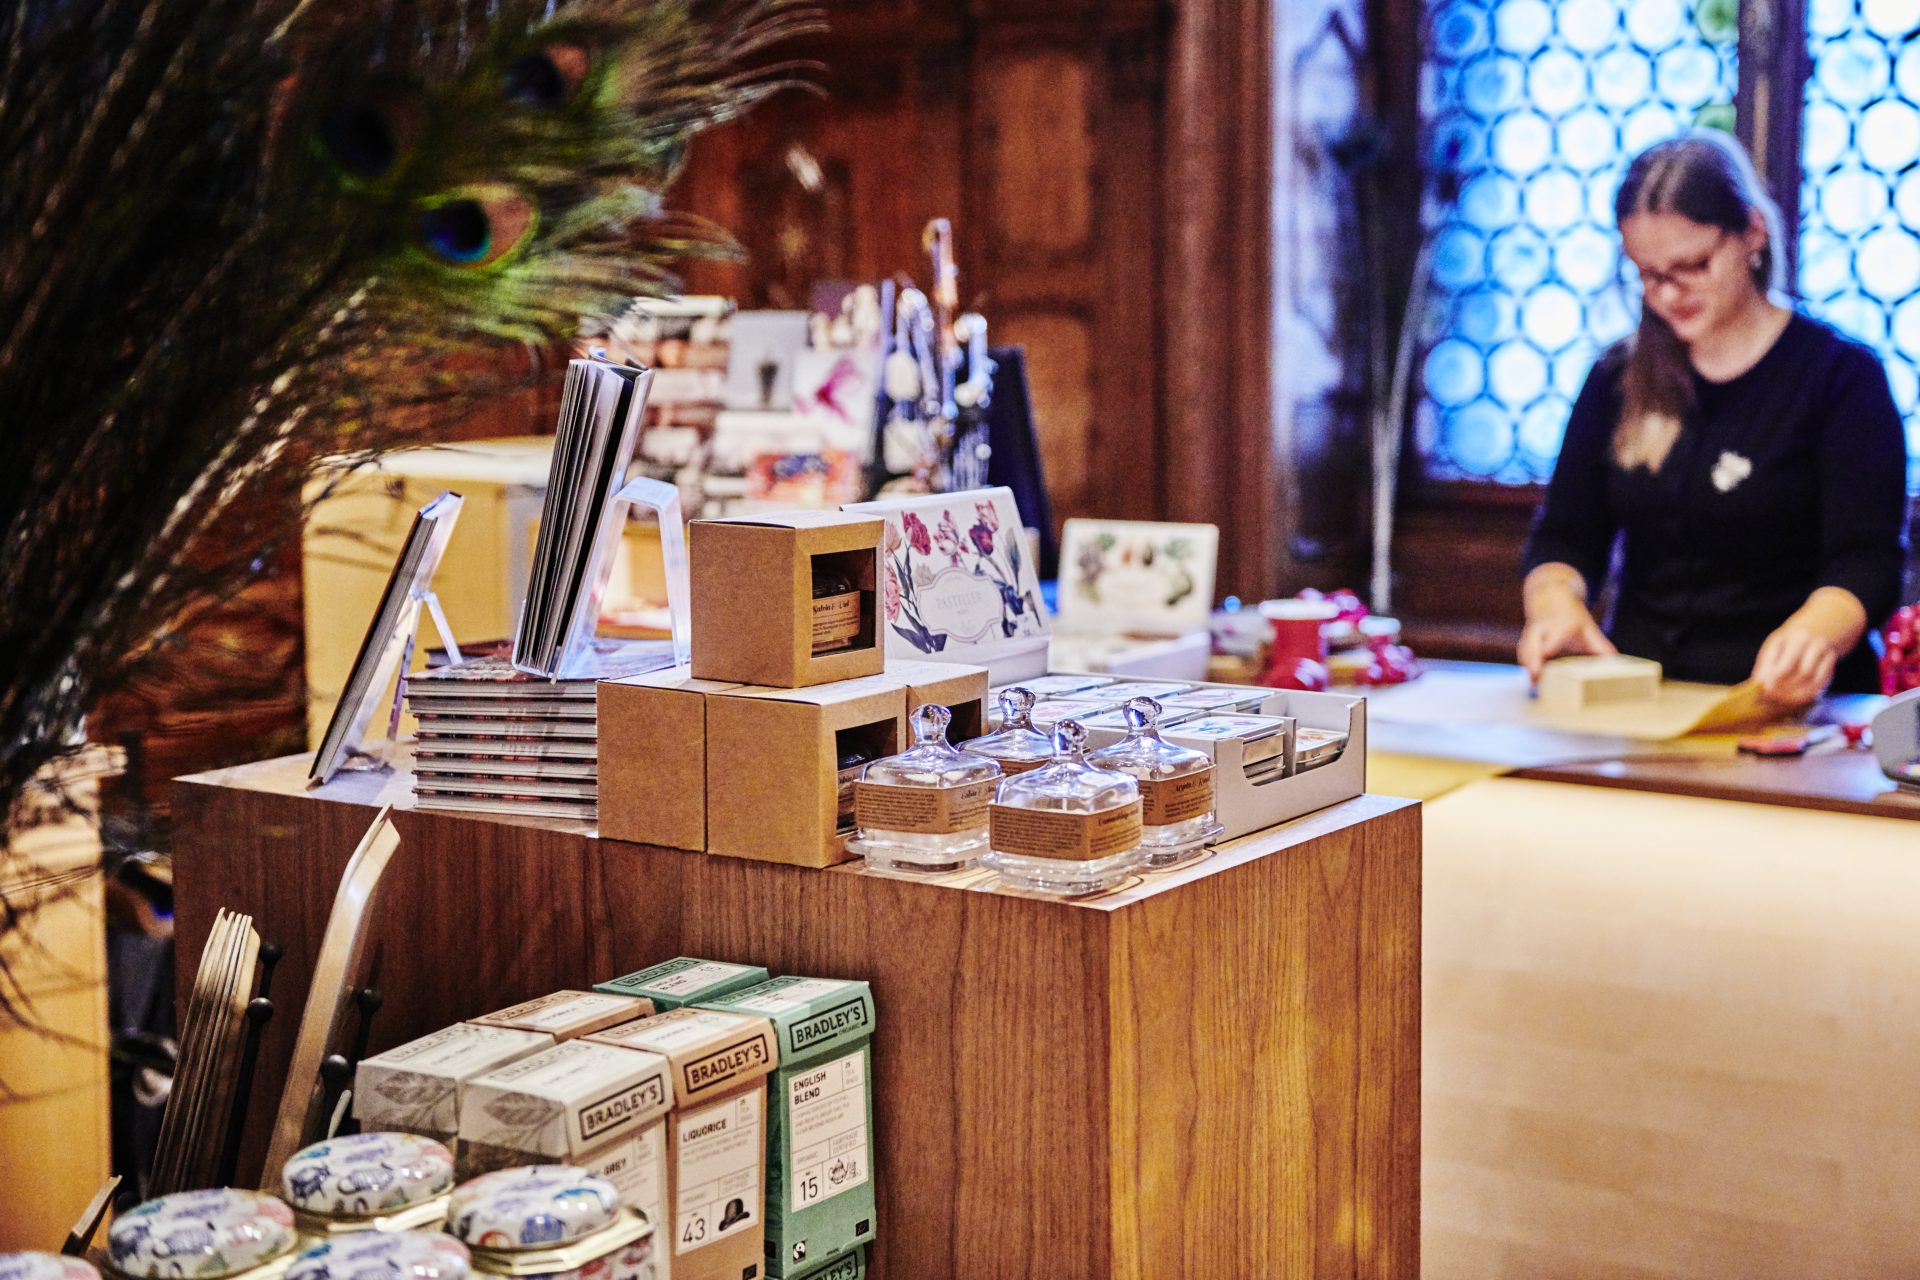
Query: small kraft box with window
point(782, 764)
point(787, 599)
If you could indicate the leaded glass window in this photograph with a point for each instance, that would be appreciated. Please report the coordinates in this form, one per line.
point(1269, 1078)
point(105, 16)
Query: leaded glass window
point(1533, 108)
point(1860, 186)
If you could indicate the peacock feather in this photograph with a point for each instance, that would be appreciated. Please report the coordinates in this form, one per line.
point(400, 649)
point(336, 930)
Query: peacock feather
point(237, 235)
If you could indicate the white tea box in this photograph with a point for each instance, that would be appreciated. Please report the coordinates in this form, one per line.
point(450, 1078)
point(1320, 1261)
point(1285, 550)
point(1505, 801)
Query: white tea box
point(415, 1087)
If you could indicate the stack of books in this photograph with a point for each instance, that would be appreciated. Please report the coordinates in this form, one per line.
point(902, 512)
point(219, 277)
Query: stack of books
point(493, 739)
point(514, 732)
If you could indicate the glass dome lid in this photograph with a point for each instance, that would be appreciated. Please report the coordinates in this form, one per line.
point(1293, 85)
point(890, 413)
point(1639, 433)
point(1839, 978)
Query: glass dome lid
point(1069, 784)
point(931, 761)
point(1017, 745)
point(1143, 753)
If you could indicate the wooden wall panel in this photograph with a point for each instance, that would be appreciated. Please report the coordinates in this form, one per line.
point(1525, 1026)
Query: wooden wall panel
point(1060, 372)
point(1039, 157)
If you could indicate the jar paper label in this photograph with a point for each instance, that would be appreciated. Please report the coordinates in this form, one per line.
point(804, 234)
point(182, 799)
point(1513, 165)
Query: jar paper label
point(828, 1109)
point(1172, 800)
point(720, 1150)
point(1010, 767)
point(836, 620)
point(1070, 837)
point(930, 811)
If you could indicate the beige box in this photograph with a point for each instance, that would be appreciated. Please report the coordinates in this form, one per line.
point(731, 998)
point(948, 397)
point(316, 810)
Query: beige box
point(1572, 684)
point(653, 758)
point(580, 1103)
point(775, 790)
point(415, 1087)
point(960, 689)
point(567, 1015)
point(716, 1136)
point(754, 611)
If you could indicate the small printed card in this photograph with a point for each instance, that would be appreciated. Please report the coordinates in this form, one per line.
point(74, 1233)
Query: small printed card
point(1136, 576)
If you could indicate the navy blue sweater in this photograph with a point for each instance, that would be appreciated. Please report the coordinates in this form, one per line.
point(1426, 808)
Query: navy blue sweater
point(1790, 477)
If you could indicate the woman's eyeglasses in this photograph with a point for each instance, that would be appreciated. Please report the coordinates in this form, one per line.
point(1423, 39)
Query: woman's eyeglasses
point(1682, 275)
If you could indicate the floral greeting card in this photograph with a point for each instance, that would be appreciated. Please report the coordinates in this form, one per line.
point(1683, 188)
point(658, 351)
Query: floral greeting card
point(957, 582)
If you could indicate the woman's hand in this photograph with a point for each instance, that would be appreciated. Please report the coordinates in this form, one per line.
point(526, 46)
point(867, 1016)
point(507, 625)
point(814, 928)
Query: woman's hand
point(1795, 665)
point(1558, 620)
point(1562, 632)
point(1796, 662)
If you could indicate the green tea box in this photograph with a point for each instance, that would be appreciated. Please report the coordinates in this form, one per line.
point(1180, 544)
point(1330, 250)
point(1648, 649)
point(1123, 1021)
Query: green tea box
point(848, 1266)
point(820, 1136)
point(675, 984)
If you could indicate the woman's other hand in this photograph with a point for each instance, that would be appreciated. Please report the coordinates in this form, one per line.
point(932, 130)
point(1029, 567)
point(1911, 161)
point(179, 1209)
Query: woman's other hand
point(1558, 620)
point(1796, 662)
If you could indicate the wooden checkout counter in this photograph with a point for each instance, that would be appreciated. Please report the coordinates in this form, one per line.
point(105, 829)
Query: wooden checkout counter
point(1670, 1020)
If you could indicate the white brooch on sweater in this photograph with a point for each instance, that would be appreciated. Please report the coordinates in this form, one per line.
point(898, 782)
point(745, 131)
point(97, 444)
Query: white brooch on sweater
point(1730, 471)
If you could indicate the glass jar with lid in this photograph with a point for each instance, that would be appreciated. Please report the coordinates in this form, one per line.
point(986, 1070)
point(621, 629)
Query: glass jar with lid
point(1066, 827)
point(368, 1182)
point(1016, 746)
point(1176, 787)
point(205, 1235)
point(552, 1220)
point(926, 808)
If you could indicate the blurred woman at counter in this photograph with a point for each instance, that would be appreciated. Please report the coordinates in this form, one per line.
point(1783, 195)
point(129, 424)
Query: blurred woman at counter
point(1748, 459)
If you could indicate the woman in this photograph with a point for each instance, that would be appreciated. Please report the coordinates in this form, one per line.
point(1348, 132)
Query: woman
point(1748, 458)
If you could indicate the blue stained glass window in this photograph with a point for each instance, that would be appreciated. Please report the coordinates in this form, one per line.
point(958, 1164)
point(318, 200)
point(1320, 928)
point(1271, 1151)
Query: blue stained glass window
point(1533, 108)
point(1860, 186)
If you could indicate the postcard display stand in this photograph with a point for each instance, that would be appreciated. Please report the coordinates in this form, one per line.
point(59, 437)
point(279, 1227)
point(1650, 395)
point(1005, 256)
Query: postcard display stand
point(959, 588)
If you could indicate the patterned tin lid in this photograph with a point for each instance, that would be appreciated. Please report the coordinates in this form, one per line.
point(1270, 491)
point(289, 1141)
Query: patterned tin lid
point(365, 1174)
point(45, 1266)
point(535, 1207)
point(383, 1255)
point(203, 1234)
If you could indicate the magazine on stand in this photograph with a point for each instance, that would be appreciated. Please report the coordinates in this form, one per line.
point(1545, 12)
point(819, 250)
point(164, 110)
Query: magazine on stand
point(388, 645)
point(581, 522)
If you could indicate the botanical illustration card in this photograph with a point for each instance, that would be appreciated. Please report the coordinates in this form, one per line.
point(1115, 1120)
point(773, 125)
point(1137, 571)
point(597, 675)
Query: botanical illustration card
point(958, 583)
point(1137, 576)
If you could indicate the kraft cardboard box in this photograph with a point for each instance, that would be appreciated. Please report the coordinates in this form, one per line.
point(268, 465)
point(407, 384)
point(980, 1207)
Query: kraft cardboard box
point(716, 1136)
point(756, 616)
point(820, 1148)
point(653, 758)
point(581, 1103)
point(684, 980)
point(960, 689)
point(415, 1087)
point(568, 1015)
point(776, 788)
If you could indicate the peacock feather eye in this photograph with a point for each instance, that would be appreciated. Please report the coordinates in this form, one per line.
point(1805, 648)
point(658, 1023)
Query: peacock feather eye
point(369, 137)
point(476, 226)
point(546, 77)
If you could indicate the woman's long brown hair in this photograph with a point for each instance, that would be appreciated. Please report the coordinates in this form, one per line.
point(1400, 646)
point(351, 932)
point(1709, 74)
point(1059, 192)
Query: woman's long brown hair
point(1704, 177)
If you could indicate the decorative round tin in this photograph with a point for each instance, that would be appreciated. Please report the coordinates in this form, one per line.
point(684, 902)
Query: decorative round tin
point(366, 1175)
point(45, 1266)
point(383, 1255)
point(202, 1234)
point(537, 1207)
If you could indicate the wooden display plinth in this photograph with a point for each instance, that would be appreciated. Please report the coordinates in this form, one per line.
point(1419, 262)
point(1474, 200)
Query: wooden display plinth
point(1213, 1073)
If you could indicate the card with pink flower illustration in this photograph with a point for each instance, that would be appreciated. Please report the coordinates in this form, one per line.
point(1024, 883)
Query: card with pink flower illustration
point(958, 584)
